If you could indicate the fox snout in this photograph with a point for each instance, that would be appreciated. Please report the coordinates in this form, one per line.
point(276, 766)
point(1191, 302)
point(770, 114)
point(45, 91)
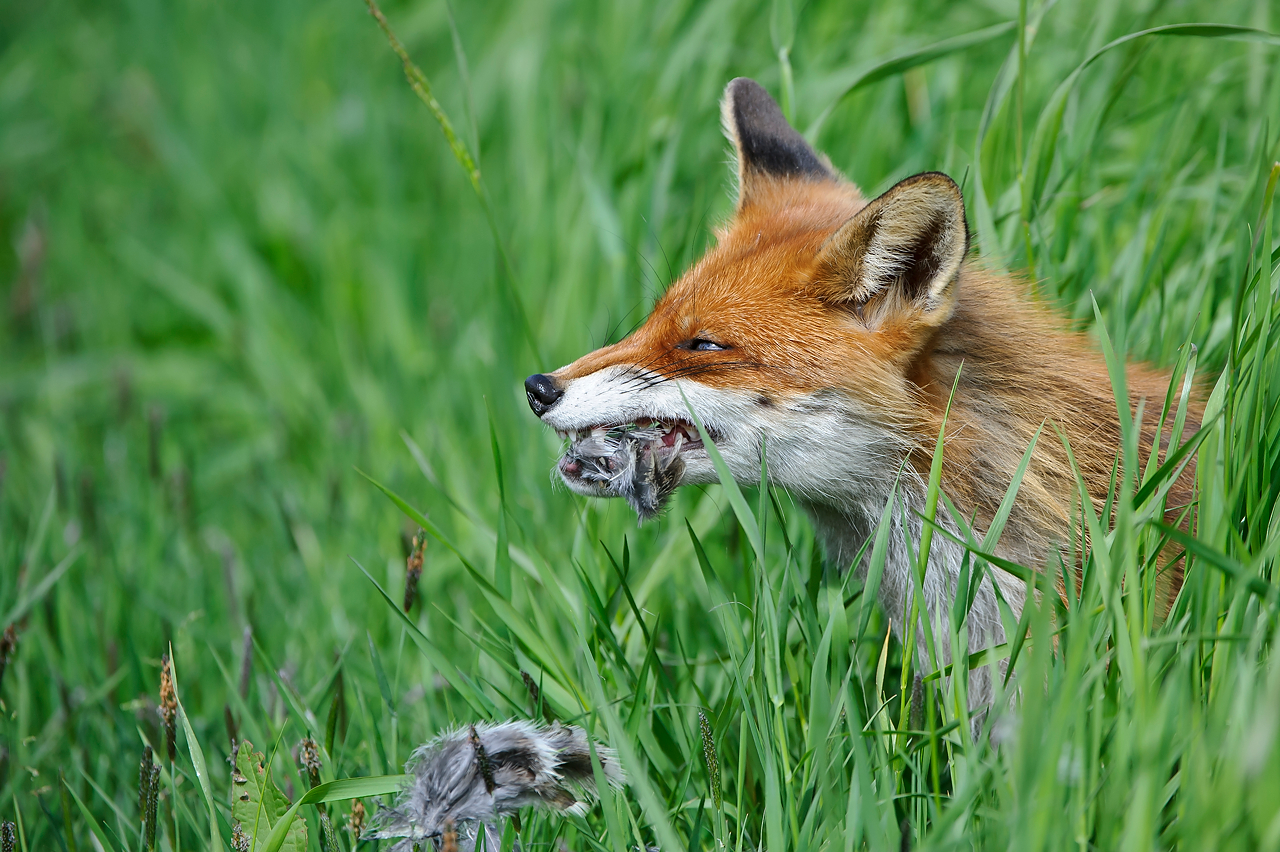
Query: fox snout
point(543, 392)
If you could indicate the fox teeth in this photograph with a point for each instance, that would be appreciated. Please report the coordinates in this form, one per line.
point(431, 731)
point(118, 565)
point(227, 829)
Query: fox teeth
point(642, 423)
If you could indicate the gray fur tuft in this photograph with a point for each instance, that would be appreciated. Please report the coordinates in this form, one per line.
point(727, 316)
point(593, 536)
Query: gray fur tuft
point(472, 777)
point(633, 464)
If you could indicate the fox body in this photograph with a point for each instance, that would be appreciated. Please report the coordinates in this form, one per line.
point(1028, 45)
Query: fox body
point(823, 333)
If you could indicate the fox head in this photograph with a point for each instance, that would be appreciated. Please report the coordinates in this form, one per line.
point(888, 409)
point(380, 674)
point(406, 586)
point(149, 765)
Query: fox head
point(795, 339)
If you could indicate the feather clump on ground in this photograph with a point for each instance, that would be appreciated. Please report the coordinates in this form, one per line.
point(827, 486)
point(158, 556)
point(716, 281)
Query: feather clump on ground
point(464, 782)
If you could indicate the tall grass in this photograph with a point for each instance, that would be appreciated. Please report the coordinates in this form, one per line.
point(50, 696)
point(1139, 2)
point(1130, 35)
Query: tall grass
point(241, 262)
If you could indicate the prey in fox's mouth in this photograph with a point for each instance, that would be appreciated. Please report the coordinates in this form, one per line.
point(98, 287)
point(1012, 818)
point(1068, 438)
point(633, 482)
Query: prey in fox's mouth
point(641, 461)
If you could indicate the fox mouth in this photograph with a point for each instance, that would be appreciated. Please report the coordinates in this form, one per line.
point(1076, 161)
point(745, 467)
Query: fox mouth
point(641, 461)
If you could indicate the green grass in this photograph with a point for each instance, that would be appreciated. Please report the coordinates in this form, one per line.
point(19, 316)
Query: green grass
point(240, 262)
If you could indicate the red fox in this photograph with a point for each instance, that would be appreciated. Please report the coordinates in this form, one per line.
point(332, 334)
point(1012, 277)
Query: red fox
point(827, 331)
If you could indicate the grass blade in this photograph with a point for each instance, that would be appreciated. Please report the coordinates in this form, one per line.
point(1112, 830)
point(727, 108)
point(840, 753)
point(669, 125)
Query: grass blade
point(1044, 142)
point(197, 758)
point(33, 597)
point(480, 703)
point(334, 791)
point(907, 61)
point(94, 827)
point(736, 500)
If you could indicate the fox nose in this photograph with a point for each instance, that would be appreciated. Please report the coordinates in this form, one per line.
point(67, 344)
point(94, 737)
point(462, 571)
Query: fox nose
point(542, 392)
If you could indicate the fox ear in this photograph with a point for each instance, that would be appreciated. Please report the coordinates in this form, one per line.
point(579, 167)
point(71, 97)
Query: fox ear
point(902, 251)
point(767, 147)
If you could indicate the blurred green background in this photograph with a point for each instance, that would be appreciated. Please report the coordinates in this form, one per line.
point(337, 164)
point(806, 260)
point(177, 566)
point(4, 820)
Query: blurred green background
point(238, 261)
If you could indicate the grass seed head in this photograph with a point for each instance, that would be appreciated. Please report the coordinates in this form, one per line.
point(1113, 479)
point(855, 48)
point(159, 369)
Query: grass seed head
point(144, 782)
point(482, 760)
point(229, 720)
point(169, 707)
point(709, 755)
point(153, 798)
point(535, 696)
point(309, 757)
point(413, 568)
point(358, 817)
point(328, 839)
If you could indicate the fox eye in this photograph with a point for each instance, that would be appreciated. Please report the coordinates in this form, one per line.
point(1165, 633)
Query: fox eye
point(700, 344)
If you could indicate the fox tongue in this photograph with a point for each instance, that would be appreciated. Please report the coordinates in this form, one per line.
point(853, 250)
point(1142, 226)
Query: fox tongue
point(678, 433)
point(677, 443)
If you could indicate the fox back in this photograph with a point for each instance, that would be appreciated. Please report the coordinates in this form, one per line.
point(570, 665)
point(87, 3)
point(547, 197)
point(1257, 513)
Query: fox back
point(824, 334)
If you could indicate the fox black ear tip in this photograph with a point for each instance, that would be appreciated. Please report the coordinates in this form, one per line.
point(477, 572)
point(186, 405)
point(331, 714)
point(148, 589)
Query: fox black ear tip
point(745, 95)
point(742, 93)
point(739, 86)
point(765, 141)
